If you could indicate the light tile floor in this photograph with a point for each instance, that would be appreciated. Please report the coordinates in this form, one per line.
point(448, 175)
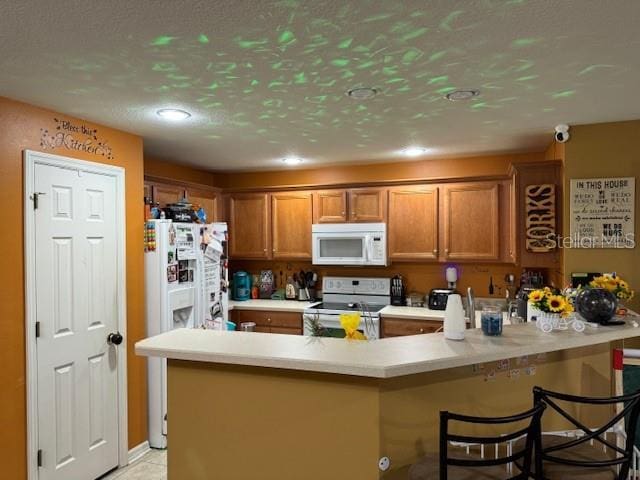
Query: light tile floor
point(151, 466)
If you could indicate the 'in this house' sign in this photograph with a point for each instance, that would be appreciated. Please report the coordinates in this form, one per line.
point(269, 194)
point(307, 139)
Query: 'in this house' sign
point(602, 212)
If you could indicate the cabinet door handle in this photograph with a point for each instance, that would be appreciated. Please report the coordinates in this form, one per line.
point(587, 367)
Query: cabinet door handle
point(435, 251)
point(446, 251)
point(268, 320)
point(422, 330)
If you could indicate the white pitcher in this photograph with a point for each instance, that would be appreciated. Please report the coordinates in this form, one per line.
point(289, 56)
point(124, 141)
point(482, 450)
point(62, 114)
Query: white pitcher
point(454, 321)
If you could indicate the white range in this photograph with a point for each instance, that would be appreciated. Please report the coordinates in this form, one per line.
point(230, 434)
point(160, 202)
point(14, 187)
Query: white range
point(349, 294)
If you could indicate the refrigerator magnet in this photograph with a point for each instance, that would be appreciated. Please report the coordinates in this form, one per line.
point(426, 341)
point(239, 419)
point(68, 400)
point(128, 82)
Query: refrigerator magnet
point(172, 273)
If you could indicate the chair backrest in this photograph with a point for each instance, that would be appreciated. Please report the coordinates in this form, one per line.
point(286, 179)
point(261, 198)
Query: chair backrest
point(623, 455)
point(530, 431)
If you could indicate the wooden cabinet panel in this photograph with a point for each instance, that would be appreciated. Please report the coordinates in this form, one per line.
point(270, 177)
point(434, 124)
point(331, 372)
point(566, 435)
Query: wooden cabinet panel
point(165, 194)
point(367, 205)
point(148, 190)
point(249, 225)
point(472, 222)
point(413, 223)
point(207, 199)
point(270, 322)
point(396, 327)
point(330, 206)
point(291, 215)
point(286, 331)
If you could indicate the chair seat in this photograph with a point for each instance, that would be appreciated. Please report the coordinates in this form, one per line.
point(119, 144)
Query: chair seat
point(428, 468)
point(581, 452)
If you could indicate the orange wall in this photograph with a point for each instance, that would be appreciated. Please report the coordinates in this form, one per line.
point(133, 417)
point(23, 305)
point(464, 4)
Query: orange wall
point(604, 150)
point(172, 171)
point(20, 126)
point(435, 169)
point(418, 277)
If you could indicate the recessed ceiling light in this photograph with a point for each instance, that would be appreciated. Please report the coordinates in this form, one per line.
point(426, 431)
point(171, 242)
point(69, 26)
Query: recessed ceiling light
point(459, 95)
point(292, 160)
point(414, 151)
point(362, 93)
point(173, 114)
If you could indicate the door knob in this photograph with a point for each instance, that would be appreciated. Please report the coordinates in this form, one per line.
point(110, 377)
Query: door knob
point(114, 338)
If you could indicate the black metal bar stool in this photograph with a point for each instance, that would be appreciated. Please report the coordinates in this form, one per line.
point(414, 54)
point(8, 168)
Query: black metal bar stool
point(586, 453)
point(471, 466)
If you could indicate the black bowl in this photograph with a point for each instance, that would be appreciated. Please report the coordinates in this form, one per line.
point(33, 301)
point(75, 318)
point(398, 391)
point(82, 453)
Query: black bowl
point(596, 305)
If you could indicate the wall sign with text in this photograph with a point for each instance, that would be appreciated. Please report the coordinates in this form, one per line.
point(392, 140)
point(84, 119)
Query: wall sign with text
point(75, 136)
point(540, 224)
point(602, 212)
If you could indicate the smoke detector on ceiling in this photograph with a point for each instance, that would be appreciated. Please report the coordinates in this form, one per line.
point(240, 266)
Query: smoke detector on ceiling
point(362, 93)
point(460, 95)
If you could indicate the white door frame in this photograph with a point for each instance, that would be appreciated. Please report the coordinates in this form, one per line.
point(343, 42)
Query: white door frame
point(31, 158)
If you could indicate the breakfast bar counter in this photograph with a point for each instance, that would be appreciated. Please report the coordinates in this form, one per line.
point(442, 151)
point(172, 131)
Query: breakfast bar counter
point(293, 407)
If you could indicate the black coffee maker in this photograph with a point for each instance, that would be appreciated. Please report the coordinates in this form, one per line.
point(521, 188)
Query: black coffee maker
point(529, 281)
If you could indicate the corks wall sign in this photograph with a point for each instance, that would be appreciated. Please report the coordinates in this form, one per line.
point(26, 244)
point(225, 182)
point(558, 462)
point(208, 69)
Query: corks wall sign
point(540, 208)
point(73, 136)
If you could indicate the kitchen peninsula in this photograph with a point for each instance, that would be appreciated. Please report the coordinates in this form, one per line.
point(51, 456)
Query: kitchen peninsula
point(295, 407)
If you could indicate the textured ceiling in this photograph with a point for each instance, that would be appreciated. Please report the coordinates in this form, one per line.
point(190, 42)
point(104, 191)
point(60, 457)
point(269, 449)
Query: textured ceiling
point(264, 79)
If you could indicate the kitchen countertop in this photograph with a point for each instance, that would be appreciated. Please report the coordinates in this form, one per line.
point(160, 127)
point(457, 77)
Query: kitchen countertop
point(271, 305)
point(385, 358)
point(419, 313)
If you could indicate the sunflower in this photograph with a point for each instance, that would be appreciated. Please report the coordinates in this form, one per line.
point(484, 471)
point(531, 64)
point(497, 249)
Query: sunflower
point(536, 296)
point(568, 309)
point(557, 303)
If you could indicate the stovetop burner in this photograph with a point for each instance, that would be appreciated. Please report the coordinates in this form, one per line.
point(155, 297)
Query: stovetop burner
point(346, 307)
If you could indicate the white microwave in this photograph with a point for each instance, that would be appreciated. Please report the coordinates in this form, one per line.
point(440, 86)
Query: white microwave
point(349, 243)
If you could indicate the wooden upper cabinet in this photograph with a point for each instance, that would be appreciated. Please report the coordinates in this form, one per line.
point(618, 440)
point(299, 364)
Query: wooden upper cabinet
point(413, 223)
point(249, 225)
point(330, 206)
point(292, 216)
point(472, 221)
point(367, 205)
point(165, 194)
point(207, 199)
point(148, 190)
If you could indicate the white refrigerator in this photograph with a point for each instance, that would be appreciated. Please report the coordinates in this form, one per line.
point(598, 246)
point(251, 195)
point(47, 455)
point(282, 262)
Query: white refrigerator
point(186, 287)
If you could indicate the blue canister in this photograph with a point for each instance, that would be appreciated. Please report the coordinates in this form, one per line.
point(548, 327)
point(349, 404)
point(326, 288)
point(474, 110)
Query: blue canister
point(491, 321)
point(241, 286)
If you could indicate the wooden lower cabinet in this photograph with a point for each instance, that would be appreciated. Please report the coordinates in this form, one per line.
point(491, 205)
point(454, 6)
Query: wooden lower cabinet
point(270, 322)
point(400, 327)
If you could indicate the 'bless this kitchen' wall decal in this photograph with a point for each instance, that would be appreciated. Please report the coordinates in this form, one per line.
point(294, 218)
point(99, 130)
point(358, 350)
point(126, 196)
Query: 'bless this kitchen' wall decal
point(74, 136)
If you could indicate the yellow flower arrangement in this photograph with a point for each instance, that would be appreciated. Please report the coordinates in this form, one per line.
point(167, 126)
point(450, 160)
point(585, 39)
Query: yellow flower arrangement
point(548, 301)
point(350, 323)
point(613, 284)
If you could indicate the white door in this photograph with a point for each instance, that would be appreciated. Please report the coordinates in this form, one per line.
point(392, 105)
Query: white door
point(76, 309)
